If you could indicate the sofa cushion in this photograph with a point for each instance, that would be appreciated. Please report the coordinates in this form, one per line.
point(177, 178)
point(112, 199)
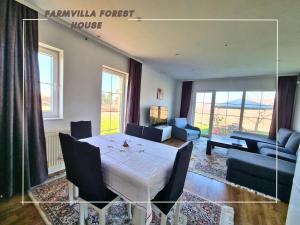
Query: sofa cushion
point(180, 122)
point(261, 166)
point(283, 136)
point(252, 137)
point(262, 145)
point(280, 155)
point(293, 143)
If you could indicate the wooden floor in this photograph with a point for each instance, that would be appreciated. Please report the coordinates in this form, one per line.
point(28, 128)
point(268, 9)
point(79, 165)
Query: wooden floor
point(12, 212)
point(244, 213)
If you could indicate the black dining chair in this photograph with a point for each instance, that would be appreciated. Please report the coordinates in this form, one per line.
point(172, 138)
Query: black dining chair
point(172, 192)
point(91, 185)
point(67, 143)
point(152, 134)
point(81, 129)
point(134, 130)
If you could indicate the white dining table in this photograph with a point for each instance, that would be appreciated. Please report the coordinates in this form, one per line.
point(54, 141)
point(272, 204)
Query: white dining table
point(137, 172)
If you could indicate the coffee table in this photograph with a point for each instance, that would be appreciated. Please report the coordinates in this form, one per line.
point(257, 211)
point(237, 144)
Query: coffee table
point(225, 142)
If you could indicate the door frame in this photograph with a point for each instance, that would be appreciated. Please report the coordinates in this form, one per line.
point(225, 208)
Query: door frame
point(124, 76)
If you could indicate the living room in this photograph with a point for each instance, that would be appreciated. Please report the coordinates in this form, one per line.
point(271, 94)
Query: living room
point(216, 112)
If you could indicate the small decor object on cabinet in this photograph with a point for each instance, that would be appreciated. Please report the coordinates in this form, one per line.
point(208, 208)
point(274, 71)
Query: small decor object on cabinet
point(160, 93)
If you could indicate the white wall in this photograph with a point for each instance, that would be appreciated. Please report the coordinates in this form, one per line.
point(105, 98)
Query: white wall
point(83, 60)
point(296, 121)
point(151, 80)
point(266, 83)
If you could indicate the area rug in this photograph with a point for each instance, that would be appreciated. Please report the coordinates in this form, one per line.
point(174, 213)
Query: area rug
point(212, 166)
point(203, 212)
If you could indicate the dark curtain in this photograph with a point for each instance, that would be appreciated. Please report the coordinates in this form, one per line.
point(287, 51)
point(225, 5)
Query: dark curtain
point(186, 98)
point(134, 92)
point(285, 97)
point(15, 132)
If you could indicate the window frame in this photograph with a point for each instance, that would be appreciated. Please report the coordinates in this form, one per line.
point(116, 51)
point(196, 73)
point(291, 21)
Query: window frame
point(213, 102)
point(57, 84)
point(122, 111)
point(243, 116)
point(212, 108)
point(227, 108)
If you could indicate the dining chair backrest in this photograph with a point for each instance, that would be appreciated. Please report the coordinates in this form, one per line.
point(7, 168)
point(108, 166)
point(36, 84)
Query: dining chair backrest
point(67, 147)
point(134, 130)
point(152, 134)
point(174, 188)
point(81, 129)
point(88, 167)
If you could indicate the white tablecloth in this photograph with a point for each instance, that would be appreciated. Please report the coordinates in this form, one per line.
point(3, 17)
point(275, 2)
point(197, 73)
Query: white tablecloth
point(136, 173)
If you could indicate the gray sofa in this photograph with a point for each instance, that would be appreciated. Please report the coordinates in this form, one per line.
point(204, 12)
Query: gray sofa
point(183, 131)
point(287, 143)
point(287, 148)
point(257, 169)
point(258, 172)
point(252, 139)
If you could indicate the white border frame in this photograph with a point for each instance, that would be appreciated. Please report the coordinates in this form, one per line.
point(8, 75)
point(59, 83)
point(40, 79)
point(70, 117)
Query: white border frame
point(220, 202)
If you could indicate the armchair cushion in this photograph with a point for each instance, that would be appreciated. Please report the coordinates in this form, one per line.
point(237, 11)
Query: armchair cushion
point(191, 132)
point(188, 126)
point(283, 136)
point(180, 122)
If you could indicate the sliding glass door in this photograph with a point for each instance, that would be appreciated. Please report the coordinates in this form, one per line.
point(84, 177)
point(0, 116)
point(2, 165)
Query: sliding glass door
point(258, 111)
point(112, 101)
point(227, 112)
point(222, 112)
point(203, 107)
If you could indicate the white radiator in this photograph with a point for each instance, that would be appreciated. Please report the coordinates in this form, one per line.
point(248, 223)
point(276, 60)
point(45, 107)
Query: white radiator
point(54, 154)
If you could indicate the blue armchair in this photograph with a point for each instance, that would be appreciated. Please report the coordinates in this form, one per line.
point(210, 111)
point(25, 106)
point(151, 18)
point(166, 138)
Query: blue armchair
point(183, 131)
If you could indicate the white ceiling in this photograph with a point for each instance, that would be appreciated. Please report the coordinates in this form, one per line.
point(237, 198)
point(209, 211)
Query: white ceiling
point(200, 45)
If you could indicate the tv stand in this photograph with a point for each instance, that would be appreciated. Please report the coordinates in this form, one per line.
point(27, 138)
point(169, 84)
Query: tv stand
point(167, 131)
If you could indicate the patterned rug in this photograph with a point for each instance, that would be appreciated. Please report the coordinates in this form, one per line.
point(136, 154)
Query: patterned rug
point(204, 213)
point(212, 166)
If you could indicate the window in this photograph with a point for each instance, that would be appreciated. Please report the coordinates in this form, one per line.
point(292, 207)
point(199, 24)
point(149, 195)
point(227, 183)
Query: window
point(227, 112)
point(203, 111)
point(258, 111)
point(50, 66)
point(222, 112)
point(112, 101)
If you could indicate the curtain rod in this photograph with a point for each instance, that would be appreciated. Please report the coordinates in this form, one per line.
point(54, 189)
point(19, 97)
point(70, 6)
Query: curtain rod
point(82, 32)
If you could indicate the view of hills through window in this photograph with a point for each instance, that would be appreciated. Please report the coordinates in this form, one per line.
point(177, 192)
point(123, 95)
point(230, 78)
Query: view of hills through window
point(222, 112)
